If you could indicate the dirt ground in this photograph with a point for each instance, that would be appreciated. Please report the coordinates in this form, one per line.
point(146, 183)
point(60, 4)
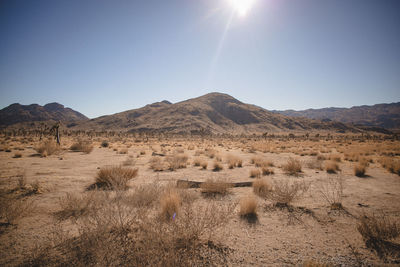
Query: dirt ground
point(307, 229)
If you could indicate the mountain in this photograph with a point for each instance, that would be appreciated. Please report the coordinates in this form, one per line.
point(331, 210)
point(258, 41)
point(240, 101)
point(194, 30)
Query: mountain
point(17, 113)
point(380, 115)
point(211, 113)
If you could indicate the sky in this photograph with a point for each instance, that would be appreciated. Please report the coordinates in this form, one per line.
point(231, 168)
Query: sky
point(102, 57)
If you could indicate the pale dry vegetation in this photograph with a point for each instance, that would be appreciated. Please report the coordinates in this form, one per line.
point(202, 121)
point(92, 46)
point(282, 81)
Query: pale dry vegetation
point(47, 148)
point(82, 146)
point(114, 177)
point(292, 167)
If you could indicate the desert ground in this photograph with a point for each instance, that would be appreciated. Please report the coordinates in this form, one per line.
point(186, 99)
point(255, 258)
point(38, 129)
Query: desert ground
point(310, 200)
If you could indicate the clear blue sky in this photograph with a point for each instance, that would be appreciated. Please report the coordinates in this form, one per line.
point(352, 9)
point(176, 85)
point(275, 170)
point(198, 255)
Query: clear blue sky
point(102, 57)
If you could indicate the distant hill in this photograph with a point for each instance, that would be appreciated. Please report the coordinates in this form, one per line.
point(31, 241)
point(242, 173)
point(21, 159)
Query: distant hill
point(17, 113)
point(211, 113)
point(380, 115)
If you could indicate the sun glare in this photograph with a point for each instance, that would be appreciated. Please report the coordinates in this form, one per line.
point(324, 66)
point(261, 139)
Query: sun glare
point(242, 7)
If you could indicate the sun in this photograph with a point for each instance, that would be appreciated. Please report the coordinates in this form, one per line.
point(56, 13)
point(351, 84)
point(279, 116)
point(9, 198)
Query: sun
point(242, 7)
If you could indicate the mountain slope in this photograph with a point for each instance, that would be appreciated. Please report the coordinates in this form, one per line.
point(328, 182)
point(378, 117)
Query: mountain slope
point(17, 113)
point(380, 115)
point(213, 113)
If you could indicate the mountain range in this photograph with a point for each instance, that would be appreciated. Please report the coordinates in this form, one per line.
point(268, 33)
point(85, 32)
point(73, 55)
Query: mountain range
point(381, 115)
point(211, 113)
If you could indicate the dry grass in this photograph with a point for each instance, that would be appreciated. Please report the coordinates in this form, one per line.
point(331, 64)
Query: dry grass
point(176, 161)
point(234, 162)
point(82, 146)
point(117, 233)
point(378, 228)
point(262, 188)
point(13, 209)
point(157, 164)
point(204, 165)
point(390, 164)
point(292, 167)
point(261, 162)
point(115, 177)
point(255, 173)
point(331, 167)
point(47, 148)
point(267, 171)
point(17, 155)
point(248, 206)
point(360, 170)
point(313, 263)
point(213, 187)
point(217, 166)
point(170, 203)
point(378, 232)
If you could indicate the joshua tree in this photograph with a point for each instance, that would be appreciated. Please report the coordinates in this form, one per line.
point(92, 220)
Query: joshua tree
point(55, 130)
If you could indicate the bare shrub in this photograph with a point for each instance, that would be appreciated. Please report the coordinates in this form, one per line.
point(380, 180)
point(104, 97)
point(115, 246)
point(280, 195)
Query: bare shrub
point(248, 206)
point(105, 143)
point(128, 162)
point(123, 151)
point(176, 161)
point(47, 148)
point(213, 187)
point(285, 192)
point(335, 157)
point(17, 155)
point(255, 173)
point(82, 146)
point(292, 167)
point(145, 196)
point(115, 177)
point(331, 167)
point(262, 187)
point(211, 153)
point(331, 190)
point(197, 162)
point(217, 166)
point(315, 164)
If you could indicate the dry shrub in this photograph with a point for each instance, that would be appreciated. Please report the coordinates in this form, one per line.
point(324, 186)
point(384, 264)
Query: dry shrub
point(377, 232)
point(267, 171)
point(261, 162)
point(82, 146)
point(313, 263)
point(123, 151)
point(117, 233)
point(115, 177)
point(315, 164)
point(211, 153)
point(331, 167)
point(234, 162)
point(217, 166)
point(285, 192)
point(392, 165)
point(359, 170)
point(292, 167)
point(335, 157)
point(17, 155)
point(204, 165)
point(248, 206)
point(170, 203)
point(156, 164)
point(176, 161)
point(378, 228)
point(197, 162)
point(128, 162)
point(144, 196)
point(47, 148)
point(13, 209)
point(331, 190)
point(105, 143)
point(261, 187)
point(255, 173)
point(213, 187)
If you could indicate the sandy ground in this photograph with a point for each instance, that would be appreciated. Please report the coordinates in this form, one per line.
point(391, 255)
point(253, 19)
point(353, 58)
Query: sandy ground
point(312, 231)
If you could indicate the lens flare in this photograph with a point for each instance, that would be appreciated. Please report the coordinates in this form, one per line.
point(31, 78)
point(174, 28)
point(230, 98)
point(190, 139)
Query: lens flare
point(242, 7)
